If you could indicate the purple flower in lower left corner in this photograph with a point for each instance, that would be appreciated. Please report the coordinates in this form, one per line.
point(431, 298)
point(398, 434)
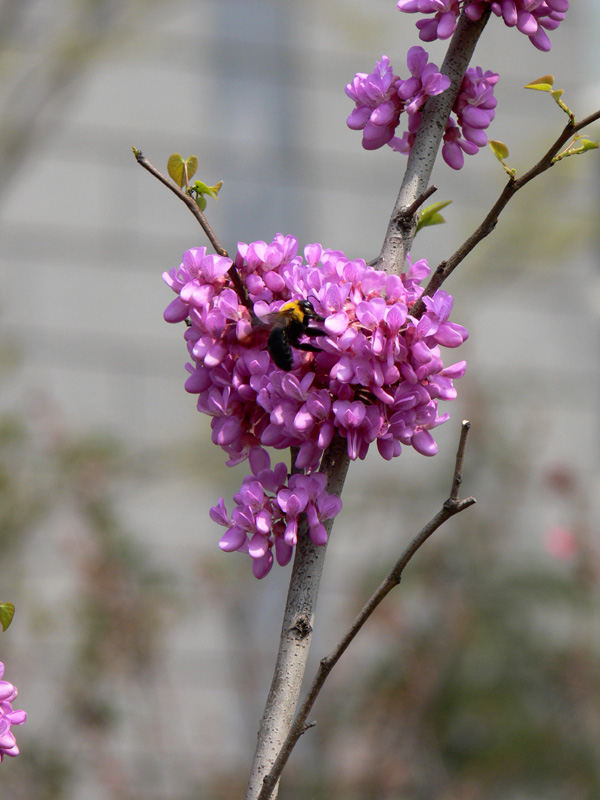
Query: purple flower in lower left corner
point(8, 717)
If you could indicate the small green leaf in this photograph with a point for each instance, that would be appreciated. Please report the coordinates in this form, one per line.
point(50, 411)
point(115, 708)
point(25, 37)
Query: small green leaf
point(7, 611)
point(580, 144)
point(557, 94)
point(181, 169)
point(216, 189)
point(499, 149)
point(175, 168)
point(201, 200)
point(192, 166)
point(202, 188)
point(543, 84)
point(430, 215)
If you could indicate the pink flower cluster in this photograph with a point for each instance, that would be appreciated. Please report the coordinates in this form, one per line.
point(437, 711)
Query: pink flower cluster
point(8, 717)
point(381, 97)
point(268, 507)
point(378, 376)
point(531, 17)
point(474, 109)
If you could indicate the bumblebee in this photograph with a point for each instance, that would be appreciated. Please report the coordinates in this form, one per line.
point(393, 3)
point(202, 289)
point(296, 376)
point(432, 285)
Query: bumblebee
point(288, 325)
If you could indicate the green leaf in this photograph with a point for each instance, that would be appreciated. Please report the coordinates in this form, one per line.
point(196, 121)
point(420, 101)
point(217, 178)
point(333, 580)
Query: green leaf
point(7, 611)
point(175, 168)
point(430, 215)
point(192, 166)
point(181, 169)
point(202, 188)
point(543, 84)
point(499, 149)
point(201, 200)
point(580, 144)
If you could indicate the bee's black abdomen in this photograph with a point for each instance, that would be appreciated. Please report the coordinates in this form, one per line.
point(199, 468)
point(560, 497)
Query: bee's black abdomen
point(292, 323)
point(280, 349)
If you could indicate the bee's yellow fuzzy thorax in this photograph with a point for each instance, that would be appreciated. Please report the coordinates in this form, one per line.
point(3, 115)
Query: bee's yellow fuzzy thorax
point(293, 311)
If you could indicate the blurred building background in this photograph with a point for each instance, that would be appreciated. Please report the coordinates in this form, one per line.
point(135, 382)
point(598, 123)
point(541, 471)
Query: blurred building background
point(142, 653)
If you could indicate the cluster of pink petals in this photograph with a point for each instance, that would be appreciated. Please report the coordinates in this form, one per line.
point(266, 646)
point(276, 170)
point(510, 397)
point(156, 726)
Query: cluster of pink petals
point(474, 109)
point(267, 512)
point(377, 378)
point(381, 97)
point(378, 106)
point(531, 17)
point(8, 717)
point(441, 26)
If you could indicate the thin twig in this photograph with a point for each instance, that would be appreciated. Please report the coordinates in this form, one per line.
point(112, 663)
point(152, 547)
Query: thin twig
point(453, 505)
point(445, 269)
point(234, 275)
point(184, 197)
point(460, 458)
point(414, 207)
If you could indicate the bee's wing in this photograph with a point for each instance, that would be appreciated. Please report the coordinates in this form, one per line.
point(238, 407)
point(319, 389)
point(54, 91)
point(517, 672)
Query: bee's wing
point(272, 320)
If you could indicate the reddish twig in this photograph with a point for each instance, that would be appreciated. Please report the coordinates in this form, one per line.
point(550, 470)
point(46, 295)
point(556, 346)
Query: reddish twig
point(184, 197)
point(446, 268)
point(189, 201)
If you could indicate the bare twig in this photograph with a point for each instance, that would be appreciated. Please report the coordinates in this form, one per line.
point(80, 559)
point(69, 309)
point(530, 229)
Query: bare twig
point(189, 201)
point(445, 269)
point(184, 197)
point(453, 505)
point(414, 207)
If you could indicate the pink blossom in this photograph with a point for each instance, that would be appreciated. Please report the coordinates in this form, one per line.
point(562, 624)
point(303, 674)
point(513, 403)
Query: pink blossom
point(381, 97)
point(377, 377)
point(474, 109)
point(266, 517)
point(8, 717)
point(530, 17)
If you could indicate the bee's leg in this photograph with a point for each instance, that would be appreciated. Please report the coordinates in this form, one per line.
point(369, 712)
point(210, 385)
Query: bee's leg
point(314, 332)
point(310, 348)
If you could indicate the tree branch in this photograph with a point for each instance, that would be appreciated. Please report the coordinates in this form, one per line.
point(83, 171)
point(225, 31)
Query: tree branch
point(402, 226)
point(453, 505)
point(414, 207)
point(446, 268)
point(272, 753)
point(184, 197)
point(296, 631)
point(234, 276)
